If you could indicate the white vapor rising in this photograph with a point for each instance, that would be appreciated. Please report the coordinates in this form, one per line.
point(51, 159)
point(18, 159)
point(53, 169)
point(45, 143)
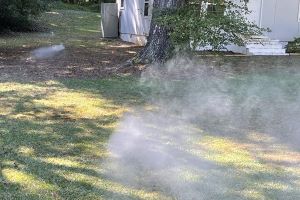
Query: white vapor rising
point(47, 52)
point(161, 149)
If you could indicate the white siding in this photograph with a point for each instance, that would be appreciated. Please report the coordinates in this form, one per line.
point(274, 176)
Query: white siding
point(134, 26)
point(255, 7)
point(281, 16)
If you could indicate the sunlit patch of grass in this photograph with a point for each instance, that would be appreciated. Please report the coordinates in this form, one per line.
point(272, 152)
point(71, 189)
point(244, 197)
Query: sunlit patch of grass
point(113, 187)
point(294, 170)
point(190, 176)
point(27, 151)
point(50, 100)
point(66, 26)
point(263, 169)
point(252, 194)
point(16, 96)
point(250, 157)
point(67, 162)
point(282, 156)
point(53, 136)
point(274, 186)
point(260, 137)
point(11, 87)
point(81, 105)
point(228, 152)
point(27, 181)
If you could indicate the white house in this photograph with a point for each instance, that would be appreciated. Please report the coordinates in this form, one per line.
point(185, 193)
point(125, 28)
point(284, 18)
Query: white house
point(134, 20)
point(281, 16)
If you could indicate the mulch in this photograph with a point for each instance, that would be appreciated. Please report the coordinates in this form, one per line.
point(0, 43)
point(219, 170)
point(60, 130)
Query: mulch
point(16, 64)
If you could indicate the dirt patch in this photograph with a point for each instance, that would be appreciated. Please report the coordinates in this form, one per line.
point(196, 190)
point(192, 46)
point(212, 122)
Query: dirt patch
point(77, 62)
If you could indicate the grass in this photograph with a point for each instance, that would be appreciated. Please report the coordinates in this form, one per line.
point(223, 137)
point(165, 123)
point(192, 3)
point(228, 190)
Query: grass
point(58, 5)
point(53, 137)
point(54, 132)
point(74, 28)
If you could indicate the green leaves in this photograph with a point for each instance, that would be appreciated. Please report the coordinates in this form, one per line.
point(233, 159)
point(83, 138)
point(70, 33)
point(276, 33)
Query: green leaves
point(294, 46)
point(16, 14)
point(214, 23)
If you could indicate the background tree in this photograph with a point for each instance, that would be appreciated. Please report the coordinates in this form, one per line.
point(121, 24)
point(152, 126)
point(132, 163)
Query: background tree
point(88, 2)
point(188, 24)
point(159, 46)
point(16, 15)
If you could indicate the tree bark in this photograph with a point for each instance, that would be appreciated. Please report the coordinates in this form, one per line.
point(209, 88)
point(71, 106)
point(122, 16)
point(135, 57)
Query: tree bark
point(159, 46)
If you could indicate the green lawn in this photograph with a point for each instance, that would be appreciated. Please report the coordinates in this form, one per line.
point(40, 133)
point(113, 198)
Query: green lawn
point(53, 137)
point(71, 27)
point(54, 131)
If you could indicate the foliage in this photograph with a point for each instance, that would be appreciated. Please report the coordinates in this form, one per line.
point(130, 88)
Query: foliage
point(214, 23)
point(294, 46)
point(59, 5)
point(84, 5)
point(55, 153)
point(72, 27)
point(87, 2)
point(17, 15)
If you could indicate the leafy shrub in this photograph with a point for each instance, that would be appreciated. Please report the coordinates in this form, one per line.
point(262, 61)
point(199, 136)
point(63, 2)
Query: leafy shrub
point(294, 46)
point(87, 2)
point(213, 23)
point(59, 5)
point(17, 15)
point(83, 5)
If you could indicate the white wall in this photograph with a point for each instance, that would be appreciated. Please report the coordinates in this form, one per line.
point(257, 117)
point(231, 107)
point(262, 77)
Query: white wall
point(134, 26)
point(282, 17)
point(255, 7)
point(279, 15)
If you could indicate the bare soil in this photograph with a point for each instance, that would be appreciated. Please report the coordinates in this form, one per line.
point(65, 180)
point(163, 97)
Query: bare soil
point(77, 62)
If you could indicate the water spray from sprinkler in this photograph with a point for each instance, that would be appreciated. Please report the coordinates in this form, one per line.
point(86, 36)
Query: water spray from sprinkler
point(47, 52)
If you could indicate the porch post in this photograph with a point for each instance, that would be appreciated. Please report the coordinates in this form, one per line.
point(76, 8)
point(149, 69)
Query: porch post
point(261, 12)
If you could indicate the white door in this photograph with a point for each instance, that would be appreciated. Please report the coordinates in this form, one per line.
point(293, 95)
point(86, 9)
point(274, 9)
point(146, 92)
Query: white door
point(129, 17)
point(145, 15)
point(282, 17)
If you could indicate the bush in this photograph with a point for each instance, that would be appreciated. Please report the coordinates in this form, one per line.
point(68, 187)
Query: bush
point(294, 46)
point(215, 25)
point(87, 2)
point(59, 5)
point(17, 15)
point(85, 5)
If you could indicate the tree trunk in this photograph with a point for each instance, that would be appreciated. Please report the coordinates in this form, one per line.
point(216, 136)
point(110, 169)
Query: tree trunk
point(159, 46)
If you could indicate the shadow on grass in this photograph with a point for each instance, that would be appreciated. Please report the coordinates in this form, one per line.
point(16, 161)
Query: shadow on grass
point(53, 138)
point(119, 89)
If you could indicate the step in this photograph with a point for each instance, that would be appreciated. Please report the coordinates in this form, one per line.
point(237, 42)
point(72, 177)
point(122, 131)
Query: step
point(263, 42)
point(264, 46)
point(254, 37)
point(266, 53)
point(253, 50)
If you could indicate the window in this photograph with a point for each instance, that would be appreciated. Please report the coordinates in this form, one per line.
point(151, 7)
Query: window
point(211, 8)
point(146, 8)
point(122, 3)
point(215, 8)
